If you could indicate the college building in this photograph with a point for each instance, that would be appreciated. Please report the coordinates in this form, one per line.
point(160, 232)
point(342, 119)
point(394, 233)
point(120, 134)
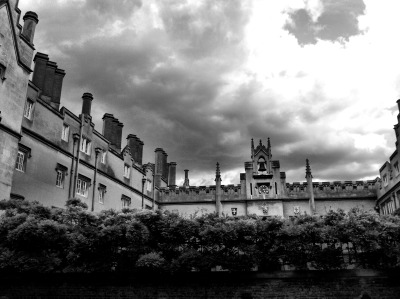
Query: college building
point(49, 154)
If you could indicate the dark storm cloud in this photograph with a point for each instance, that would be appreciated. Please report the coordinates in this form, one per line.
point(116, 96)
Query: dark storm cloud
point(338, 22)
point(167, 83)
point(164, 84)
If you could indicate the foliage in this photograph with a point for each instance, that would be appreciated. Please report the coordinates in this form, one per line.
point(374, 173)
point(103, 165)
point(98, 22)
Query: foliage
point(34, 238)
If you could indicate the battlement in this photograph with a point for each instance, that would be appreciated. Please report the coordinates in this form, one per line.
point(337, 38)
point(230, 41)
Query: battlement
point(333, 189)
point(199, 193)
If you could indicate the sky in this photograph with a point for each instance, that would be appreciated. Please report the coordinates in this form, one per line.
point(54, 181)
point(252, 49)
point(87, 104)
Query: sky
point(200, 78)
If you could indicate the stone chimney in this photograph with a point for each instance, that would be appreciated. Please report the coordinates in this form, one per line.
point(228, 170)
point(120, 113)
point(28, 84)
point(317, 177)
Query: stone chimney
point(165, 166)
point(87, 99)
point(172, 174)
point(30, 21)
point(158, 167)
point(57, 87)
point(118, 135)
point(49, 79)
point(140, 152)
point(39, 72)
point(108, 131)
point(47, 90)
point(133, 142)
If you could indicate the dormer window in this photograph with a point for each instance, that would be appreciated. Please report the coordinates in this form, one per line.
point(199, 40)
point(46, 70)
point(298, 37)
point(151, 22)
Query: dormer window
point(65, 132)
point(86, 146)
point(385, 179)
point(127, 171)
point(103, 157)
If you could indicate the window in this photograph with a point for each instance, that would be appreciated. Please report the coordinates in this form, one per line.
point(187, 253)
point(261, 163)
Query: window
point(102, 193)
point(20, 163)
point(385, 180)
point(61, 173)
point(28, 109)
point(86, 146)
point(60, 179)
point(148, 182)
point(127, 171)
point(126, 201)
point(82, 186)
point(23, 153)
point(65, 132)
point(103, 157)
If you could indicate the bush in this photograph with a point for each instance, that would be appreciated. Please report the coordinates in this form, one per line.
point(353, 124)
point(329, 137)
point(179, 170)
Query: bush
point(34, 238)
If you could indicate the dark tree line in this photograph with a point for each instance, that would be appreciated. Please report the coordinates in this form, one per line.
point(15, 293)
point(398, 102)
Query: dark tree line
point(34, 238)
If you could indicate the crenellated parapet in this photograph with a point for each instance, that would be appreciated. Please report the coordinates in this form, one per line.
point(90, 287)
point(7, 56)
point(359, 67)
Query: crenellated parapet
point(199, 193)
point(333, 189)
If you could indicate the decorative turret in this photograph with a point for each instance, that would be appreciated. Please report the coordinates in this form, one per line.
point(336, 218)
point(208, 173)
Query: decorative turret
point(310, 187)
point(218, 205)
point(269, 148)
point(252, 148)
point(186, 182)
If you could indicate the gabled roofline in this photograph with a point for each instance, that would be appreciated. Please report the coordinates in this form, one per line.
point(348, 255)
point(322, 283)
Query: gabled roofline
point(16, 44)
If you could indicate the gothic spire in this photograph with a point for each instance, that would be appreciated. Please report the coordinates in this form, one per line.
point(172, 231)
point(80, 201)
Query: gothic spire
point(308, 168)
point(252, 148)
point(217, 173)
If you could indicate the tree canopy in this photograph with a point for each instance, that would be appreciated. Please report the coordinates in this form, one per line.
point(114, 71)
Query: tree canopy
point(35, 238)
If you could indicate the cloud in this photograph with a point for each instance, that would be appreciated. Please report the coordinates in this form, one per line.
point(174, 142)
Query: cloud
point(201, 78)
point(335, 21)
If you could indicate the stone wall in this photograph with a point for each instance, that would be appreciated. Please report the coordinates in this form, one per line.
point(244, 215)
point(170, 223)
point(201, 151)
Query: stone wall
point(289, 284)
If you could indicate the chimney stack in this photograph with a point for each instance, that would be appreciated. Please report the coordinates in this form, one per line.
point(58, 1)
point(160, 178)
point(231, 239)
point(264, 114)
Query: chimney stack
point(132, 141)
point(172, 174)
point(30, 21)
point(57, 87)
point(165, 166)
point(136, 146)
point(158, 166)
point(108, 131)
point(140, 152)
point(118, 135)
point(49, 80)
point(39, 72)
point(87, 99)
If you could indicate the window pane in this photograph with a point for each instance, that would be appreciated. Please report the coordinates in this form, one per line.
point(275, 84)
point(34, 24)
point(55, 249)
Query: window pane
point(19, 165)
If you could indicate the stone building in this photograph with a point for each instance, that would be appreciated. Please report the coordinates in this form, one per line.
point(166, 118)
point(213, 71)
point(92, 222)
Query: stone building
point(263, 190)
point(16, 52)
point(61, 155)
point(49, 154)
point(388, 191)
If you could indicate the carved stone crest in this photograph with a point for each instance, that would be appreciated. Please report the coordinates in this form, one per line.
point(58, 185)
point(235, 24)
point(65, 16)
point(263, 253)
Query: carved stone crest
point(296, 210)
point(264, 208)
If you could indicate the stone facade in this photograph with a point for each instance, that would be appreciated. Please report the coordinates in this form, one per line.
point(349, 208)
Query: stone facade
point(263, 191)
point(64, 156)
point(16, 50)
point(389, 178)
